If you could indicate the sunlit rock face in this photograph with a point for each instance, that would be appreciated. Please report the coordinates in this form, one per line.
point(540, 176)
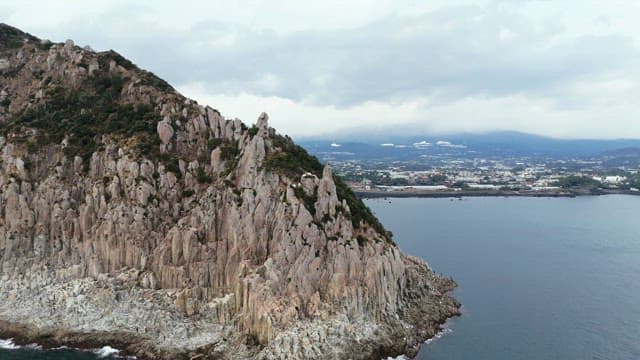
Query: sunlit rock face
point(126, 208)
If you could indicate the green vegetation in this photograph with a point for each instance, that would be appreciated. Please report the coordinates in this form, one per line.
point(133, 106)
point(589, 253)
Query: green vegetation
point(376, 178)
point(14, 71)
point(202, 176)
point(461, 185)
point(292, 160)
point(361, 240)
point(253, 131)
point(12, 38)
point(146, 77)
point(188, 193)
point(360, 213)
point(27, 163)
point(385, 179)
point(119, 59)
point(434, 179)
point(213, 143)
point(573, 181)
point(150, 79)
point(229, 152)
point(634, 181)
point(84, 114)
point(32, 146)
point(308, 200)
point(171, 163)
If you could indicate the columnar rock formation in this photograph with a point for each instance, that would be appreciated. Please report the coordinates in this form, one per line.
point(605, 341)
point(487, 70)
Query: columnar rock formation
point(126, 208)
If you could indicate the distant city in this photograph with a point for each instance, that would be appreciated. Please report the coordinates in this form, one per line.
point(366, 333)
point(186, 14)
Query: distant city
point(486, 165)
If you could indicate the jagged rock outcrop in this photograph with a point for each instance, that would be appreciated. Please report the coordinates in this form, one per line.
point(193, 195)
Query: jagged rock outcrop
point(126, 208)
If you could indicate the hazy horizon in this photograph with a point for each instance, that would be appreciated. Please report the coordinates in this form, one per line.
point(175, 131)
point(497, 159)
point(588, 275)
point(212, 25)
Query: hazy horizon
point(566, 70)
point(355, 133)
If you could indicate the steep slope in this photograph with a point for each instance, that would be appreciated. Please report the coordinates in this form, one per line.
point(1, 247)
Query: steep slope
point(132, 215)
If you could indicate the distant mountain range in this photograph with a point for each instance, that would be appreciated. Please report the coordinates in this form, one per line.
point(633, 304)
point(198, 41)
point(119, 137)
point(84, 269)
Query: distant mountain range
point(504, 143)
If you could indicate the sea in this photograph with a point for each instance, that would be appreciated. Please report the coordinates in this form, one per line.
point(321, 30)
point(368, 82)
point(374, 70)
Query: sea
point(10, 351)
point(539, 278)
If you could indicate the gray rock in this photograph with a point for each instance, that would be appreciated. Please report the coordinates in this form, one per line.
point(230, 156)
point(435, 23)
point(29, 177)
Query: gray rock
point(232, 262)
point(165, 131)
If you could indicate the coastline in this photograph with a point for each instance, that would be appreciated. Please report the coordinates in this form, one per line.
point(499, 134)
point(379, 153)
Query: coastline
point(423, 312)
point(124, 345)
point(103, 352)
point(373, 194)
point(47, 339)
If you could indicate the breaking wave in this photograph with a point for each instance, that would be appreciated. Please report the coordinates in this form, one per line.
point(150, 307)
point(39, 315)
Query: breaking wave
point(106, 351)
point(429, 341)
point(103, 352)
point(8, 344)
point(439, 335)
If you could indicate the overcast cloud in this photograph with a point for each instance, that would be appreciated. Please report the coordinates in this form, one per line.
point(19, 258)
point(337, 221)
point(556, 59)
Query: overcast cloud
point(566, 69)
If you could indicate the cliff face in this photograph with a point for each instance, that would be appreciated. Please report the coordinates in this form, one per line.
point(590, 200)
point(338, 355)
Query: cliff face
point(126, 208)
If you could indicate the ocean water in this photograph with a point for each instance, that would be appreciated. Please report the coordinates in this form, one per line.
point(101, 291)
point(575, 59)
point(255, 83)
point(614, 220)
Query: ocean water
point(10, 351)
point(539, 278)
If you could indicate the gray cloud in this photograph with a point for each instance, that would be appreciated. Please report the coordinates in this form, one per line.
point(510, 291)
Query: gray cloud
point(447, 54)
point(560, 59)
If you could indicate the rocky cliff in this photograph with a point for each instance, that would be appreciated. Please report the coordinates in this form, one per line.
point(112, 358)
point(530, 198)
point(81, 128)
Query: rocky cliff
point(133, 215)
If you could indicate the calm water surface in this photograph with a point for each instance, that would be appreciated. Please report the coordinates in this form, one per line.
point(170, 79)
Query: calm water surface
point(538, 278)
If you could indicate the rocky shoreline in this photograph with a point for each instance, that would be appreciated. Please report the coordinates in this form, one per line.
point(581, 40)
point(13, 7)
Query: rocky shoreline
point(23, 335)
point(33, 319)
point(129, 346)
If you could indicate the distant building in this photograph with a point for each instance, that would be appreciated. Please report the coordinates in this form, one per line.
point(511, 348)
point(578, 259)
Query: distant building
point(612, 180)
point(484, 186)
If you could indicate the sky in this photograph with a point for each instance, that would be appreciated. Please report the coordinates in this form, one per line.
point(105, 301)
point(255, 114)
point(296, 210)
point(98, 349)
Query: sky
point(566, 69)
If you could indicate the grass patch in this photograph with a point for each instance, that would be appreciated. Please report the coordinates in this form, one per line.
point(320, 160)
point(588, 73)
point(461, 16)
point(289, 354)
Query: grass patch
point(171, 163)
point(229, 152)
point(309, 201)
point(202, 176)
point(188, 193)
point(12, 38)
point(83, 115)
point(292, 160)
point(213, 143)
point(253, 131)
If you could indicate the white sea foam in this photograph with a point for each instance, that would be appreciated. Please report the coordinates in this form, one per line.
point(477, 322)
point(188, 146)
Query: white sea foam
point(8, 344)
point(429, 341)
point(438, 335)
point(103, 352)
point(34, 347)
point(106, 351)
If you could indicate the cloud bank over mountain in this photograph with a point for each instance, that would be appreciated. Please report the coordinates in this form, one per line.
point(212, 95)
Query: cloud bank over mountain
point(565, 69)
